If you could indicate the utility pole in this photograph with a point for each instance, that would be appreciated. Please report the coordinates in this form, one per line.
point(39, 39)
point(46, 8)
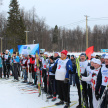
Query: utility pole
point(1, 43)
point(26, 37)
point(33, 41)
point(86, 31)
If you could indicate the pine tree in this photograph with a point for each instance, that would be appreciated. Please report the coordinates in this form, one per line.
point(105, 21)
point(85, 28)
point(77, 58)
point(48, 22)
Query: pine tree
point(55, 35)
point(15, 26)
point(55, 38)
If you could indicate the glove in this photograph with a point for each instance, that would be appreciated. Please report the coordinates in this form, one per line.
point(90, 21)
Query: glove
point(66, 80)
point(97, 95)
point(80, 76)
point(70, 72)
point(54, 67)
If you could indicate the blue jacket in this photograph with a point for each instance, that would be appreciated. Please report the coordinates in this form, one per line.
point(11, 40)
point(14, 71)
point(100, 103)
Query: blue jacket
point(0, 62)
point(16, 59)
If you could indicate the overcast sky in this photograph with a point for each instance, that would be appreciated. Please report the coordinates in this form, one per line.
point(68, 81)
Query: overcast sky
point(64, 12)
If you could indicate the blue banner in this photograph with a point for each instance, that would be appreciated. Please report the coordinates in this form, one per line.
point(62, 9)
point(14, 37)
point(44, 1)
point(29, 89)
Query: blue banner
point(31, 49)
point(104, 50)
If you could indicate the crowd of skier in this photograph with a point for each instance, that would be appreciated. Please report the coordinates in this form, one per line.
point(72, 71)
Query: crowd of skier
point(54, 75)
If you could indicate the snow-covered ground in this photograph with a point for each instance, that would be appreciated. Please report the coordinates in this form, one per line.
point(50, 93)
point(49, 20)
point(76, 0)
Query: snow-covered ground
point(19, 95)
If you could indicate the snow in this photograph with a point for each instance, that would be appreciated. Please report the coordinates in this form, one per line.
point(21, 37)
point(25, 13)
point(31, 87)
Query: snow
point(19, 95)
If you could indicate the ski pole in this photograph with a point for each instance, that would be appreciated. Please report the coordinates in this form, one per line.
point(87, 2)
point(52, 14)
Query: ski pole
point(103, 96)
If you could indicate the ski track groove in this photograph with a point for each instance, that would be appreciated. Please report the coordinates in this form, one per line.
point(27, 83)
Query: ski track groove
point(27, 96)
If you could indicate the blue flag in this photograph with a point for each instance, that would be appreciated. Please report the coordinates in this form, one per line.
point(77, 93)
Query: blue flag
point(11, 51)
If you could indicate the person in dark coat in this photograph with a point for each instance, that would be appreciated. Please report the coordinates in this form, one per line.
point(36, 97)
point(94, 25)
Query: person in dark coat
point(72, 76)
point(102, 82)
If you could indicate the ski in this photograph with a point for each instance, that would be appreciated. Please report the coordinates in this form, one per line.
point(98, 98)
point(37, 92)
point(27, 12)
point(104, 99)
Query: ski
point(81, 87)
point(47, 100)
point(30, 93)
point(103, 96)
point(38, 74)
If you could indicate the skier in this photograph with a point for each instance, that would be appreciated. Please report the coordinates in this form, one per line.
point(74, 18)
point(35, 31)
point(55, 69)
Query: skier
point(37, 68)
point(83, 66)
point(72, 76)
point(0, 66)
point(44, 71)
point(92, 55)
point(63, 67)
point(102, 59)
point(29, 69)
point(7, 58)
point(11, 66)
point(52, 89)
point(56, 56)
point(102, 81)
point(89, 87)
point(15, 65)
point(24, 66)
point(3, 61)
point(18, 64)
point(93, 78)
point(32, 62)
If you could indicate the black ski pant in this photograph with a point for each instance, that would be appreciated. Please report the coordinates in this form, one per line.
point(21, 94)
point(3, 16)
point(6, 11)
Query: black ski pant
point(84, 91)
point(79, 92)
point(63, 91)
point(15, 71)
point(4, 73)
point(12, 68)
point(89, 92)
point(0, 72)
point(44, 79)
point(6, 70)
point(52, 85)
point(34, 76)
point(19, 69)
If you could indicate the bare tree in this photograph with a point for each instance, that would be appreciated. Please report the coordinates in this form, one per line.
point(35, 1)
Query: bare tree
point(71, 40)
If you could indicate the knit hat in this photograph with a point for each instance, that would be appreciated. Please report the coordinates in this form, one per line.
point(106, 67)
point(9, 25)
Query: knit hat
point(83, 54)
point(103, 55)
point(7, 50)
point(93, 60)
point(51, 57)
point(64, 52)
point(93, 54)
point(106, 57)
point(97, 61)
point(68, 56)
point(56, 53)
point(46, 53)
point(72, 56)
point(14, 52)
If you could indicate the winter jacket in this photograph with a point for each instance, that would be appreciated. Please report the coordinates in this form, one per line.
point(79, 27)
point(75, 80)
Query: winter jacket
point(63, 68)
point(0, 62)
